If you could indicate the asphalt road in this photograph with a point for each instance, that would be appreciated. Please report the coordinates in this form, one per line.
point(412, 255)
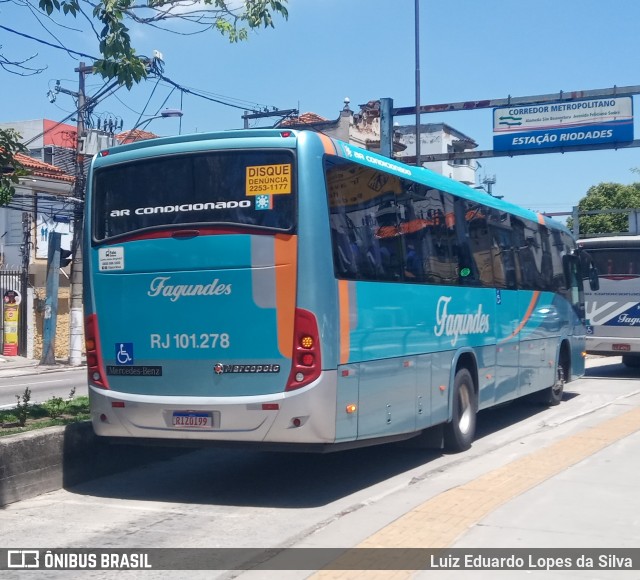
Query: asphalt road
point(43, 386)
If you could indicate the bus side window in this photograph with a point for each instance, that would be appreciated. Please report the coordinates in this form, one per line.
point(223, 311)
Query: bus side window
point(526, 250)
point(466, 267)
point(504, 264)
point(346, 254)
point(481, 242)
point(546, 264)
point(413, 262)
point(388, 217)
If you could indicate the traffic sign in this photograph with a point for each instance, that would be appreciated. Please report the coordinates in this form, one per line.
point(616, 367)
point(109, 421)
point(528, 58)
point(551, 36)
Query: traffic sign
point(564, 123)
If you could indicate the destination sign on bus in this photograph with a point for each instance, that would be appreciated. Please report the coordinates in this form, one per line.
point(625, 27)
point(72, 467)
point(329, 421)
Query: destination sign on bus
point(268, 179)
point(586, 122)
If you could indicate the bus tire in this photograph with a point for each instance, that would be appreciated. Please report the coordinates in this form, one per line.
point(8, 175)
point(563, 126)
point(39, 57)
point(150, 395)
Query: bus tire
point(460, 432)
point(551, 396)
point(631, 361)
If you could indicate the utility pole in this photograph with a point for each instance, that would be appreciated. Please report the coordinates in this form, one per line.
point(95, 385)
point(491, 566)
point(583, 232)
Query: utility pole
point(75, 306)
point(24, 281)
point(51, 301)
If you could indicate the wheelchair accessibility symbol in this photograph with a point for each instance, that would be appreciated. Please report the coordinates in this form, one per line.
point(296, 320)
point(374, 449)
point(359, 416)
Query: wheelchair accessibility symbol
point(124, 353)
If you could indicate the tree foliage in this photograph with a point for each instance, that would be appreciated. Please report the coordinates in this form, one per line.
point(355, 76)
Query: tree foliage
point(606, 196)
point(110, 18)
point(10, 168)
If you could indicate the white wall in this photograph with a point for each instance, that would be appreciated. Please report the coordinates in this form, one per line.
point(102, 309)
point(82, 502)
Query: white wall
point(432, 143)
point(28, 130)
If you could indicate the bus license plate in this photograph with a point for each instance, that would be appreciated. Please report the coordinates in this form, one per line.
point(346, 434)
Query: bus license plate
point(622, 347)
point(186, 419)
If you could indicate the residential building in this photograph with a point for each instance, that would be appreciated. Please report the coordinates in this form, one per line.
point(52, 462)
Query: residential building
point(439, 138)
point(42, 203)
point(49, 141)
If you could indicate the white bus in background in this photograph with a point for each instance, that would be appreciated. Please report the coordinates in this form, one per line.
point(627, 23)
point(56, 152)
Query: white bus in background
point(613, 311)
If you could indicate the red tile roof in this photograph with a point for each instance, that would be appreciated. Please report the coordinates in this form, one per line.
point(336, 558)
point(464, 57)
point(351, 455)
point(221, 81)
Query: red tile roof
point(134, 135)
point(304, 119)
point(42, 169)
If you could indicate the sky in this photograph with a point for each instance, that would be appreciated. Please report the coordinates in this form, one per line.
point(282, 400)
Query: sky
point(365, 50)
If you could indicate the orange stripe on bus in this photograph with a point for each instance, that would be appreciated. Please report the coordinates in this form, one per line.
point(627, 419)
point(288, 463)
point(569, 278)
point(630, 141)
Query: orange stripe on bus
point(343, 303)
point(329, 147)
point(540, 219)
point(286, 263)
point(527, 315)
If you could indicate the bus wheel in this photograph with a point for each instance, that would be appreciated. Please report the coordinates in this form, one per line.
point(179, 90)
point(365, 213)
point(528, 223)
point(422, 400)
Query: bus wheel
point(551, 396)
point(460, 432)
point(631, 361)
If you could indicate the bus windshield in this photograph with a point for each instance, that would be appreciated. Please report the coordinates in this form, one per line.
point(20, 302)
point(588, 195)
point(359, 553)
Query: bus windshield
point(224, 187)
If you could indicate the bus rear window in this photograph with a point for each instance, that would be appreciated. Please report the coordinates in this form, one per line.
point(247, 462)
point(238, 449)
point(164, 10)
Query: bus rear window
point(254, 189)
point(616, 262)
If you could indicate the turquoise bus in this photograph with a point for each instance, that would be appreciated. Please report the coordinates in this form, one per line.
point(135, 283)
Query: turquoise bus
point(286, 289)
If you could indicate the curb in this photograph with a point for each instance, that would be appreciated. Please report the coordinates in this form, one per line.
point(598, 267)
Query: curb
point(52, 458)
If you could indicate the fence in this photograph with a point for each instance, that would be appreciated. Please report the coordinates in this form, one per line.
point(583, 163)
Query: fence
point(16, 280)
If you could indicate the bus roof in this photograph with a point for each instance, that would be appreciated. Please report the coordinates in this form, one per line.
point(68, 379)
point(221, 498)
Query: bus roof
point(627, 241)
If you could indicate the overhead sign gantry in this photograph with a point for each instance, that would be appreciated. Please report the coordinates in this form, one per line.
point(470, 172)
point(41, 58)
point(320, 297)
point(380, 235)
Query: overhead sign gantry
point(619, 113)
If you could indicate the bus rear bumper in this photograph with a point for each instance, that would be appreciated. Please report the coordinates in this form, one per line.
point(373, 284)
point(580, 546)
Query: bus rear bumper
point(307, 415)
point(608, 346)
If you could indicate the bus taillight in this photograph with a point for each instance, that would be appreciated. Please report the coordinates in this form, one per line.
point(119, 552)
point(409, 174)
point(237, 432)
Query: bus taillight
point(95, 368)
point(305, 362)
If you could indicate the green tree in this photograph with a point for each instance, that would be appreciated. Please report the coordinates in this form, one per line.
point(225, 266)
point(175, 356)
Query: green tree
point(10, 167)
point(606, 196)
point(109, 19)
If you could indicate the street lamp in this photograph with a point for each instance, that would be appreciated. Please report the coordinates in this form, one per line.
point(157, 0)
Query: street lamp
point(163, 115)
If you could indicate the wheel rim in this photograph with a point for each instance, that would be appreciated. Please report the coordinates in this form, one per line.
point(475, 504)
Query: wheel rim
point(558, 386)
point(466, 409)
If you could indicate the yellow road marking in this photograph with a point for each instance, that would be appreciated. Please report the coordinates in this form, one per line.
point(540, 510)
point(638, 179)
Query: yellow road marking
point(438, 522)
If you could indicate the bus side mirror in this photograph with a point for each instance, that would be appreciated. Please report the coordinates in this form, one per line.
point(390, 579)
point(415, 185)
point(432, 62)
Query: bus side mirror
point(594, 280)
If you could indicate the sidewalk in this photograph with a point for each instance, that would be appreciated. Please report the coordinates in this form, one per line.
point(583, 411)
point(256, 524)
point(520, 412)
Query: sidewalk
point(23, 365)
point(14, 362)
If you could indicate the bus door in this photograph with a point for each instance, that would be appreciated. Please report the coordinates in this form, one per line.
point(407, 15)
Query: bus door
point(507, 310)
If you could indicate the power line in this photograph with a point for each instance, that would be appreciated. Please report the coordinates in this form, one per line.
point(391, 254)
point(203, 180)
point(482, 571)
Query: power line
point(199, 94)
point(68, 50)
point(246, 104)
point(148, 101)
point(185, 90)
